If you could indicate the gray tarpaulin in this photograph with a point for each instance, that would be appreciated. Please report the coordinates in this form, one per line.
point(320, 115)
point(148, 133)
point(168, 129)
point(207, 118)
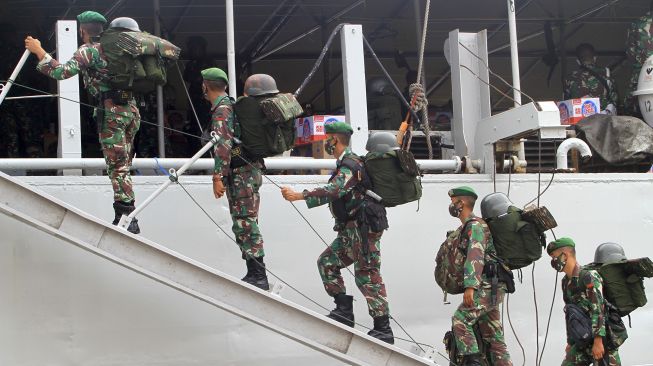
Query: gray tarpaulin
point(617, 139)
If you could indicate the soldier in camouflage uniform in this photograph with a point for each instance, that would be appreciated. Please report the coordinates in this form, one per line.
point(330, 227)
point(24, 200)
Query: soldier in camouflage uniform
point(240, 179)
point(639, 46)
point(477, 307)
point(583, 288)
point(120, 121)
point(591, 81)
point(346, 201)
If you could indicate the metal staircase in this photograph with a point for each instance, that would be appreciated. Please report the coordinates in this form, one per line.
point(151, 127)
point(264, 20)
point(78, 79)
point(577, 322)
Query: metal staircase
point(51, 216)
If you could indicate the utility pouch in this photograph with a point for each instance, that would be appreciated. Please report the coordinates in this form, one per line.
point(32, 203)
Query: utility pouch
point(579, 326)
point(615, 329)
point(120, 97)
point(375, 215)
point(506, 276)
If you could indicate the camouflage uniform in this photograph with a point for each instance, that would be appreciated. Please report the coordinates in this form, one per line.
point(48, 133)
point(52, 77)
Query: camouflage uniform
point(242, 183)
point(585, 289)
point(120, 123)
point(488, 316)
point(347, 248)
point(639, 46)
point(581, 83)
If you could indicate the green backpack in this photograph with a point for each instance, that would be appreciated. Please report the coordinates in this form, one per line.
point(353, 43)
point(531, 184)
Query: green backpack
point(518, 242)
point(136, 60)
point(395, 177)
point(623, 284)
point(260, 136)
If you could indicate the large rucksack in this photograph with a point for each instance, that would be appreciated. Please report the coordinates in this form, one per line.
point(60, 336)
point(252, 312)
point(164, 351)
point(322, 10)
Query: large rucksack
point(136, 60)
point(263, 130)
point(395, 177)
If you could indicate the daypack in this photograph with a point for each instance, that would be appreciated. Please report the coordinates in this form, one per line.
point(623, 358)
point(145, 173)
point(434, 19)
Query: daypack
point(579, 326)
point(623, 284)
point(261, 136)
point(136, 60)
point(518, 242)
point(394, 176)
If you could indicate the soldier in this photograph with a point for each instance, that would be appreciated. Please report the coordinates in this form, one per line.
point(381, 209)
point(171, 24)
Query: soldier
point(639, 46)
point(117, 112)
point(591, 80)
point(478, 306)
point(354, 243)
point(239, 178)
point(583, 288)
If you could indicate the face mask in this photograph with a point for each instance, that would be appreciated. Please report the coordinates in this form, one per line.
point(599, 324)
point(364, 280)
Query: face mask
point(455, 210)
point(329, 147)
point(558, 263)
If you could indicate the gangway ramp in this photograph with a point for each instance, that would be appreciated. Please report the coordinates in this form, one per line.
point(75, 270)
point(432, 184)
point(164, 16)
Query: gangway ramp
point(60, 220)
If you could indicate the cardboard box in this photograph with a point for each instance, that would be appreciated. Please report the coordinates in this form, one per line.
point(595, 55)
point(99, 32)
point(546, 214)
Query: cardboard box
point(573, 110)
point(311, 128)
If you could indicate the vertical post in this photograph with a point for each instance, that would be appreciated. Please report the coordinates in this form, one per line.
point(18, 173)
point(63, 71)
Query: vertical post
point(326, 71)
point(514, 52)
point(231, 48)
point(70, 142)
point(159, 89)
point(353, 66)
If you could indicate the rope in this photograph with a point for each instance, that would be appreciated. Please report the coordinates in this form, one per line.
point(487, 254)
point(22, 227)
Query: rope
point(537, 317)
point(548, 323)
point(420, 68)
point(319, 59)
point(190, 101)
point(523, 351)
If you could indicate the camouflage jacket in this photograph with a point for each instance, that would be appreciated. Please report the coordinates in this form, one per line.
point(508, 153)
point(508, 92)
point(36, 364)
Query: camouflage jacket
point(88, 59)
point(581, 83)
point(639, 45)
point(222, 123)
point(479, 246)
point(585, 289)
point(341, 186)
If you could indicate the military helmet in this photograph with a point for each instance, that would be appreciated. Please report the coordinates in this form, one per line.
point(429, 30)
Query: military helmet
point(379, 86)
point(260, 84)
point(609, 253)
point(495, 205)
point(381, 142)
point(126, 23)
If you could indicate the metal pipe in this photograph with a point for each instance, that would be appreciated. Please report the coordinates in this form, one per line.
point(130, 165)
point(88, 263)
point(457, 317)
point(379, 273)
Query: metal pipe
point(5, 87)
point(159, 88)
point(231, 48)
point(514, 53)
point(568, 144)
point(33, 96)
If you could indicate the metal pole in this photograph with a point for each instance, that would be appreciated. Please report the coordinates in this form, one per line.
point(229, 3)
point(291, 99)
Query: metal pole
point(326, 72)
point(159, 89)
point(14, 75)
point(231, 48)
point(514, 53)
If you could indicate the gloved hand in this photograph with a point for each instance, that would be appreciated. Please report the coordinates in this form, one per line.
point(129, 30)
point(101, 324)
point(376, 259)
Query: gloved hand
point(417, 93)
point(610, 109)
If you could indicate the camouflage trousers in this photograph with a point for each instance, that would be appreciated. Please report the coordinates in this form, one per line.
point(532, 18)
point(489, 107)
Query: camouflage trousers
point(242, 193)
point(16, 130)
point(583, 357)
point(346, 249)
point(120, 124)
point(488, 318)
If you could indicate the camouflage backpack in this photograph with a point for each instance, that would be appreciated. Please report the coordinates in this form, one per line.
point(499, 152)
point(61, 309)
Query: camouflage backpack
point(449, 262)
point(136, 60)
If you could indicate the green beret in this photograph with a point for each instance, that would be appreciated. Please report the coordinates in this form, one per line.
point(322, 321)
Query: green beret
point(214, 74)
point(462, 191)
point(560, 243)
point(91, 17)
point(338, 127)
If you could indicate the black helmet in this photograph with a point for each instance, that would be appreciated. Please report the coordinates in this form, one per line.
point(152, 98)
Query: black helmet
point(126, 23)
point(495, 205)
point(382, 142)
point(260, 84)
point(609, 253)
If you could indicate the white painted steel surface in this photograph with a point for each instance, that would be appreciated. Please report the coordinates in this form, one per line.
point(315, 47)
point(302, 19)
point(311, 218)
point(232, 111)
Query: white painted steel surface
point(61, 306)
point(569, 144)
point(61, 221)
point(353, 73)
point(4, 90)
point(514, 52)
point(231, 48)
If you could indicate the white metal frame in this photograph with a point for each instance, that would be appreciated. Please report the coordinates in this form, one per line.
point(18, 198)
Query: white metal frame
point(353, 71)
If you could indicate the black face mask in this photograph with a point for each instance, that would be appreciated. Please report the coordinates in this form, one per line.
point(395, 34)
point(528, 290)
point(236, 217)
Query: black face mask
point(329, 147)
point(558, 263)
point(455, 210)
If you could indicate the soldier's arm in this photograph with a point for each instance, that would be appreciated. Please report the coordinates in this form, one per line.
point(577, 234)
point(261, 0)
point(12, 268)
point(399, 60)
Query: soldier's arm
point(475, 260)
point(633, 40)
point(222, 150)
point(343, 182)
point(566, 89)
point(594, 292)
point(82, 59)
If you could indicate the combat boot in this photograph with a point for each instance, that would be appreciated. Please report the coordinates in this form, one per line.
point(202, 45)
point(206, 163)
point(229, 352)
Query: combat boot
point(382, 329)
point(120, 209)
point(257, 276)
point(344, 311)
point(472, 360)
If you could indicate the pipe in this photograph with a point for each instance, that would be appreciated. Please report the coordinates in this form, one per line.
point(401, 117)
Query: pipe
point(568, 144)
point(33, 96)
point(159, 89)
point(514, 53)
point(231, 48)
point(5, 87)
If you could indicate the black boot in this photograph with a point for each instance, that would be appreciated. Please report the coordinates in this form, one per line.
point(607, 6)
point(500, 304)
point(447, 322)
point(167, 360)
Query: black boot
point(121, 208)
point(382, 329)
point(472, 360)
point(256, 272)
point(344, 311)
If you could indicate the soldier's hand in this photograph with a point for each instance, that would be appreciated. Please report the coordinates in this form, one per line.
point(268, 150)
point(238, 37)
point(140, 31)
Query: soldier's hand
point(291, 195)
point(468, 297)
point(597, 348)
point(218, 188)
point(34, 46)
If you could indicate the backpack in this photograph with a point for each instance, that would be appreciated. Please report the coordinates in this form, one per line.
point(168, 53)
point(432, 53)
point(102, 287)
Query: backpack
point(394, 176)
point(623, 284)
point(136, 60)
point(518, 242)
point(456, 358)
point(261, 133)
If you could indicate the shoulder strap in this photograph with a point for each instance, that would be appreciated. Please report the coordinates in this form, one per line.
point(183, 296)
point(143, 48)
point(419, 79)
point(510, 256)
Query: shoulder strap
point(600, 77)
